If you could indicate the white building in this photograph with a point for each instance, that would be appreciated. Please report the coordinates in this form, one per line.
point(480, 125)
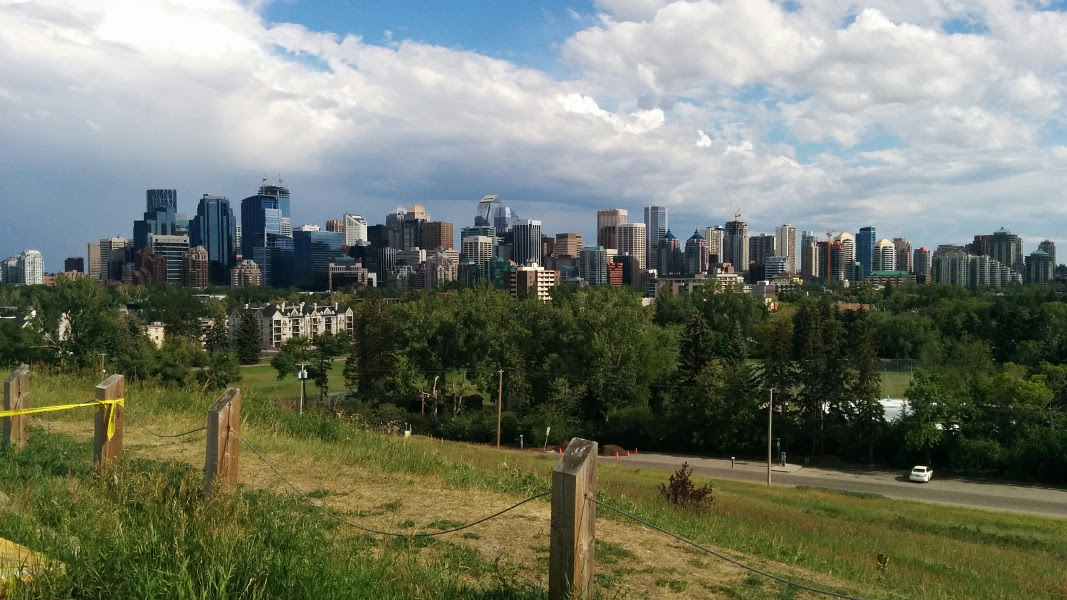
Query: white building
point(355, 229)
point(785, 244)
point(278, 323)
point(25, 268)
point(631, 239)
point(479, 249)
point(885, 255)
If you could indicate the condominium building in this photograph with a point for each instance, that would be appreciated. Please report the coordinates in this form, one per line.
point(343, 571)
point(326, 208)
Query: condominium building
point(696, 254)
point(279, 323)
point(785, 244)
point(593, 265)
point(531, 281)
point(24, 268)
point(760, 248)
point(921, 262)
point(246, 273)
point(1040, 268)
point(809, 256)
point(865, 241)
point(848, 249)
point(904, 255)
point(735, 245)
point(196, 268)
point(1048, 247)
point(883, 256)
point(713, 238)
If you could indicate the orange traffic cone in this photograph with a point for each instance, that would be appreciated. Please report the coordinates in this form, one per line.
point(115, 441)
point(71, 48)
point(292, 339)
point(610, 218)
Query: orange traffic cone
point(627, 453)
point(616, 455)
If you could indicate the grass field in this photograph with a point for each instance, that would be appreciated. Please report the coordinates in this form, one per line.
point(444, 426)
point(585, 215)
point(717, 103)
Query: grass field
point(263, 377)
point(820, 537)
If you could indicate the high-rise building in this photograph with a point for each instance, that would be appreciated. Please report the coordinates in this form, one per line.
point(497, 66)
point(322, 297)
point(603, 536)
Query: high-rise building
point(1048, 247)
point(112, 257)
point(492, 212)
point(438, 235)
point(173, 248)
point(713, 238)
point(865, 240)
point(735, 245)
point(774, 266)
point(25, 268)
point(761, 247)
point(338, 226)
point(479, 250)
point(237, 240)
point(74, 264)
point(312, 252)
point(671, 256)
point(1007, 248)
point(785, 244)
point(606, 219)
point(1040, 268)
point(696, 254)
point(215, 228)
point(920, 263)
point(527, 281)
point(92, 256)
point(261, 217)
point(883, 256)
point(832, 262)
point(655, 230)
point(160, 217)
point(246, 273)
point(904, 254)
point(281, 193)
point(631, 239)
point(568, 245)
point(196, 267)
point(809, 256)
point(354, 228)
point(848, 248)
point(526, 241)
point(440, 268)
point(593, 265)
point(147, 268)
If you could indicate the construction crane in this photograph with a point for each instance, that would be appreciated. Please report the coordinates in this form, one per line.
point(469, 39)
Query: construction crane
point(736, 209)
point(829, 242)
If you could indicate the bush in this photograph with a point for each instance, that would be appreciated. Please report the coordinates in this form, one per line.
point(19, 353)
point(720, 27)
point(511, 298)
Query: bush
point(974, 455)
point(681, 490)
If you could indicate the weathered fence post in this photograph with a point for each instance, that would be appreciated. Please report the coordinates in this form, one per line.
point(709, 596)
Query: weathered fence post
point(573, 535)
point(223, 419)
point(106, 450)
point(17, 396)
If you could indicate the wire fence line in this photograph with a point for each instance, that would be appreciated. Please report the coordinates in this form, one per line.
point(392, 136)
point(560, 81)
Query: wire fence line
point(341, 519)
point(720, 555)
point(160, 435)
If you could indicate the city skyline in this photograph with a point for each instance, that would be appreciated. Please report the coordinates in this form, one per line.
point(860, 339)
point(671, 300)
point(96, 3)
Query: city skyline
point(924, 120)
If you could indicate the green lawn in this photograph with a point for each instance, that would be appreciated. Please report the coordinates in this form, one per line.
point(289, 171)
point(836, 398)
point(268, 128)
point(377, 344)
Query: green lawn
point(264, 378)
point(819, 536)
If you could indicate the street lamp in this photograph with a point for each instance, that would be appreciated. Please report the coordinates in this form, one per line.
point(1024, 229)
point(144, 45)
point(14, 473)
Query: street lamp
point(302, 375)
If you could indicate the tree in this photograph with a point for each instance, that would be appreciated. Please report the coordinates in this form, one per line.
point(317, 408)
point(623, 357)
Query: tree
point(351, 370)
point(136, 357)
point(294, 351)
point(866, 409)
point(222, 369)
point(78, 318)
point(696, 349)
point(176, 307)
point(922, 423)
point(176, 359)
point(218, 335)
point(779, 373)
point(248, 339)
point(327, 346)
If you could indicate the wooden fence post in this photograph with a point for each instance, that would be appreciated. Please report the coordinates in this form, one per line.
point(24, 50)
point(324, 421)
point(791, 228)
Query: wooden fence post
point(573, 534)
point(223, 419)
point(17, 396)
point(105, 450)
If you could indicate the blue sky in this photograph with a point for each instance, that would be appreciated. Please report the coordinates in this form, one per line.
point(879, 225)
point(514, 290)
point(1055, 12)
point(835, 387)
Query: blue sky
point(924, 118)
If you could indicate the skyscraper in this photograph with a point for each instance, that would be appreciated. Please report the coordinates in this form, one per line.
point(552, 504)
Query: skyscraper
point(568, 245)
point(593, 265)
point(438, 235)
point(74, 264)
point(354, 228)
point(196, 268)
point(848, 250)
point(884, 256)
point(492, 212)
point(479, 250)
point(735, 245)
point(526, 241)
point(713, 237)
point(1048, 247)
point(920, 263)
point(696, 254)
point(655, 231)
point(1007, 248)
point(671, 257)
point(904, 256)
point(1040, 268)
point(605, 219)
point(112, 257)
point(215, 228)
point(832, 260)
point(160, 217)
point(809, 256)
point(760, 248)
point(92, 256)
point(312, 251)
point(25, 268)
point(631, 239)
point(173, 248)
point(865, 251)
point(785, 244)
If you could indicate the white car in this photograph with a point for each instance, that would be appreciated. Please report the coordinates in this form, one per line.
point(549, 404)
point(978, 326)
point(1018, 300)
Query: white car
point(922, 474)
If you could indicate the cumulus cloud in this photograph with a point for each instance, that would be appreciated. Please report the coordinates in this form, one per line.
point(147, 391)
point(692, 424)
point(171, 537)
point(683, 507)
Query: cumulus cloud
point(822, 116)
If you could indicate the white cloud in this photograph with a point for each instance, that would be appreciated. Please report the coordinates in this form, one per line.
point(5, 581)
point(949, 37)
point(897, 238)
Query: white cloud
point(807, 120)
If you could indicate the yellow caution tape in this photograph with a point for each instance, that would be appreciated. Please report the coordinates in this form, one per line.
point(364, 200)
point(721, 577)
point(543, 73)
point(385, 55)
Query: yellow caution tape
point(100, 404)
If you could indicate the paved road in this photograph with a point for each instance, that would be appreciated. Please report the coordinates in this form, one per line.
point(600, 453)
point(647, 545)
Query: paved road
point(893, 484)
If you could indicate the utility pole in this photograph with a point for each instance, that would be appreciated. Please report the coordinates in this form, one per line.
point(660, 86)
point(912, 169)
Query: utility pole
point(302, 375)
point(102, 371)
point(770, 413)
point(499, 406)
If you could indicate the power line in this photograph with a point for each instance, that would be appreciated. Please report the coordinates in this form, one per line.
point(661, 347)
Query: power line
point(340, 519)
point(722, 556)
point(160, 435)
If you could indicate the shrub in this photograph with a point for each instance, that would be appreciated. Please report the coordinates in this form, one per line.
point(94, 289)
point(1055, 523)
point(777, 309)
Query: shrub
point(681, 490)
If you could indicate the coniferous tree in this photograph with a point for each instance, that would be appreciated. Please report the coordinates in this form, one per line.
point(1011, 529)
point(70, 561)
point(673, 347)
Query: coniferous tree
point(248, 339)
point(351, 370)
point(865, 408)
point(218, 335)
point(696, 348)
